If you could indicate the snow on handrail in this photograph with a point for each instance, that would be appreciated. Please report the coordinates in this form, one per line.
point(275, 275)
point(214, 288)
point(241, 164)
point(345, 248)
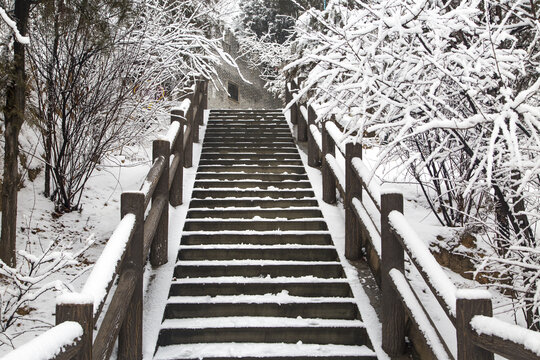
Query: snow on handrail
point(369, 225)
point(336, 134)
point(304, 112)
point(486, 325)
point(419, 315)
point(49, 344)
point(172, 133)
point(373, 190)
point(424, 260)
point(338, 173)
point(184, 106)
point(316, 136)
point(106, 266)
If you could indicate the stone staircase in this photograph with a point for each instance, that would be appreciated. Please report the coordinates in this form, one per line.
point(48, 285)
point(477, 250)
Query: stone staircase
point(257, 273)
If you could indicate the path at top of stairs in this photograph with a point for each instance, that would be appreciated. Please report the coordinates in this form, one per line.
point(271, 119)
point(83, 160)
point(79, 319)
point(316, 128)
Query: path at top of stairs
point(257, 274)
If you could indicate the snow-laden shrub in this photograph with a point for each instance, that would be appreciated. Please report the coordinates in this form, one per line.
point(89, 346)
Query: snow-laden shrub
point(450, 91)
point(40, 270)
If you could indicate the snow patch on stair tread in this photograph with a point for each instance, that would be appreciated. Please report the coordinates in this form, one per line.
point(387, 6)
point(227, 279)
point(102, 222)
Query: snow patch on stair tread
point(258, 280)
point(259, 350)
point(253, 262)
point(256, 232)
point(256, 322)
point(257, 247)
point(282, 297)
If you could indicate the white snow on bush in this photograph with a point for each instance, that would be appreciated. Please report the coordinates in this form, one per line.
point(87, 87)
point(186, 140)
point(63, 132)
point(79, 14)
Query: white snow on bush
point(421, 255)
point(49, 344)
point(484, 325)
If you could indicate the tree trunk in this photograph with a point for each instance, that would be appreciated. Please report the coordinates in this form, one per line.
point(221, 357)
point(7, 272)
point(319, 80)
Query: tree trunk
point(14, 118)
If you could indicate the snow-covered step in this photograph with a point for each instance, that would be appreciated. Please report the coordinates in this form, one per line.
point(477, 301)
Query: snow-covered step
point(297, 213)
point(252, 268)
point(250, 176)
point(299, 253)
point(259, 150)
point(258, 238)
point(264, 148)
point(249, 156)
point(263, 329)
point(209, 184)
point(257, 225)
point(264, 351)
point(259, 203)
point(265, 162)
point(307, 286)
point(257, 194)
point(254, 169)
point(260, 305)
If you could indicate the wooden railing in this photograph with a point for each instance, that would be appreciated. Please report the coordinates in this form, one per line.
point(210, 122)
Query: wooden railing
point(479, 334)
point(135, 239)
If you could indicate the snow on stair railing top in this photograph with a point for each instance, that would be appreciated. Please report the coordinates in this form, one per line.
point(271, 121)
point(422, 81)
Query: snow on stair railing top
point(135, 239)
point(479, 335)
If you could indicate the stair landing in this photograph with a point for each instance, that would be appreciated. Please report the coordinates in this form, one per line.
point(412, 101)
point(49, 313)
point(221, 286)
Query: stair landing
point(257, 275)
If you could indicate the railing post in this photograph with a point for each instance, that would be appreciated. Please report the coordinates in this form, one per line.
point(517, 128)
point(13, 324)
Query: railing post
point(196, 106)
point(130, 337)
point(175, 194)
point(393, 313)
point(205, 99)
point(353, 233)
point(294, 107)
point(470, 303)
point(159, 249)
point(188, 151)
point(314, 158)
point(83, 313)
point(301, 128)
point(329, 181)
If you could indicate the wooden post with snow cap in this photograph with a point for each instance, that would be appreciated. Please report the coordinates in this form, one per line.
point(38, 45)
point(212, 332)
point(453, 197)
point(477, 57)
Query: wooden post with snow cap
point(314, 158)
point(130, 336)
point(177, 184)
point(301, 128)
point(78, 308)
point(329, 181)
point(469, 303)
point(294, 106)
point(160, 197)
point(188, 145)
point(392, 257)
point(353, 232)
point(195, 114)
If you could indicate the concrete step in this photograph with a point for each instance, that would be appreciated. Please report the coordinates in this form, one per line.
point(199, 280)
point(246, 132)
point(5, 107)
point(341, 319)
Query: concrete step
point(260, 203)
point(310, 238)
point(316, 331)
point(240, 156)
point(238, 176)
point(264, 351)
point(258, 194)
point(212, 252)
point(254, 151)
point(250, 268)
point(223, 306)
point(254, 169)
point(255, 213)
point(209, 184)
point(274, 163)
point(259, 225)
point(256, 286)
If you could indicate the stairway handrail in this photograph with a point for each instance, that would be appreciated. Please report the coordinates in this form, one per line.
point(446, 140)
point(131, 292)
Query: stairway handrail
point(134, 239)
point(469, 310)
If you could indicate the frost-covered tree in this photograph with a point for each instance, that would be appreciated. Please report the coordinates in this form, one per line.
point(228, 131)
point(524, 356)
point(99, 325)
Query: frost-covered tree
point(450, 91)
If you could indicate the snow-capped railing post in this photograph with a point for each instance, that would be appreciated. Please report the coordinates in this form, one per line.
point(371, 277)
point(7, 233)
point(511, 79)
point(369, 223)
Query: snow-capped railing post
point(470, 303)
point(301, 127)
point(159, 248)
point(314, 158)
point(392, 257)
point(130, 335)
point(188, 141)
point(82, 313)
point(176, 179)
point(294, 106)
point(195, 106)
point(329, 181)
point(353, 232)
